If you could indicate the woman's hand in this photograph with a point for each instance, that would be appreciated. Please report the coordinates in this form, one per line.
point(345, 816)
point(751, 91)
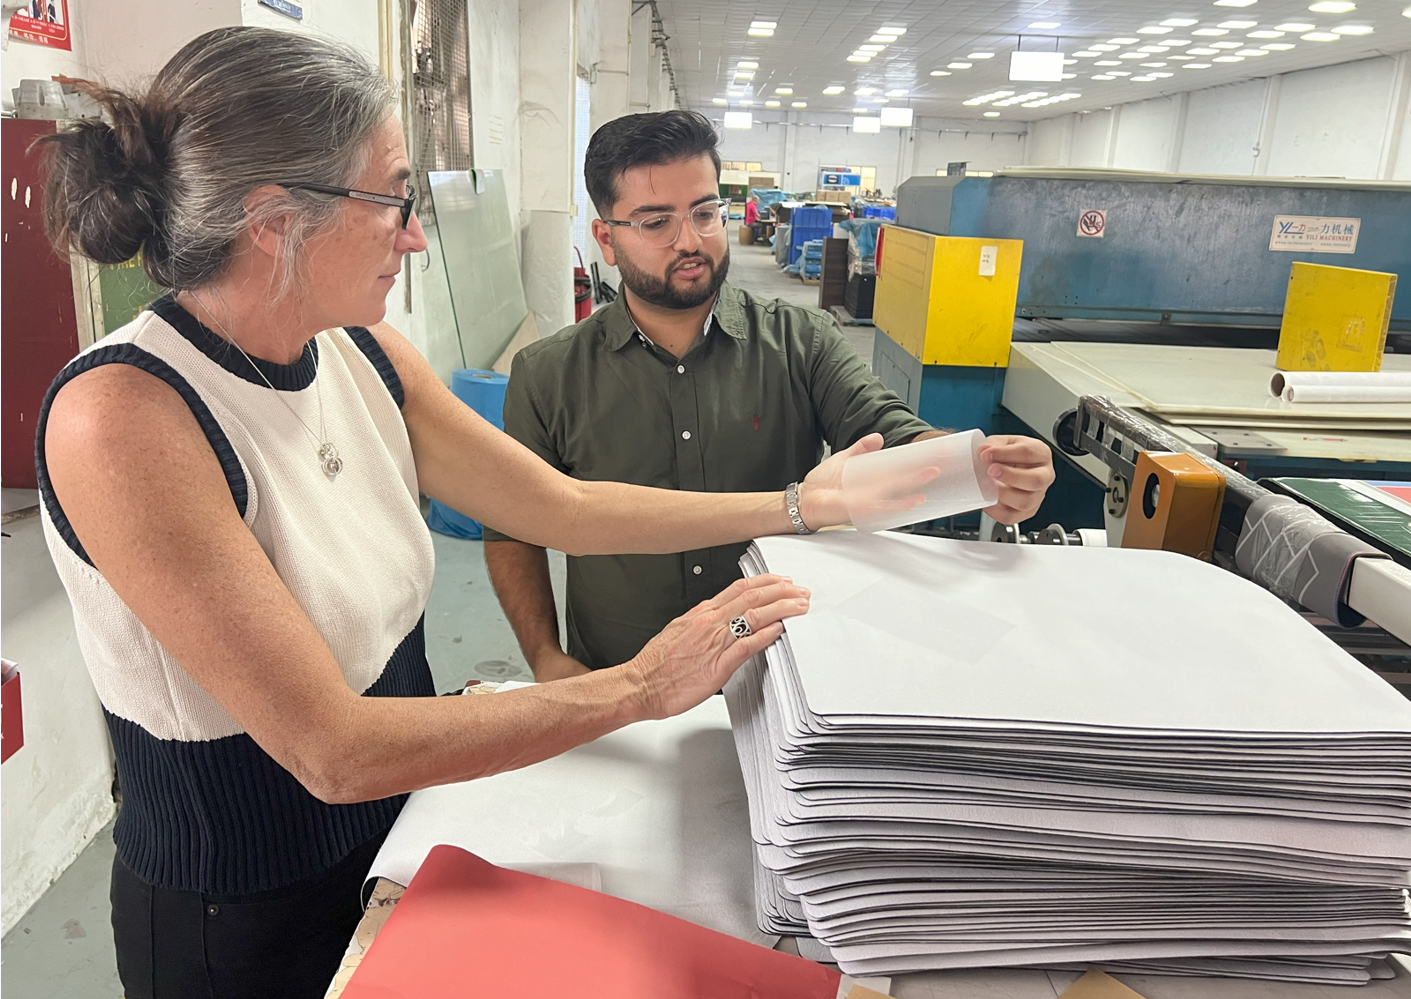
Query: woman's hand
point(696, 653)
point(1023, 469)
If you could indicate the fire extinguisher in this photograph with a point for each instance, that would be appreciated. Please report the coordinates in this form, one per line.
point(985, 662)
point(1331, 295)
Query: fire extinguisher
point(582, 290)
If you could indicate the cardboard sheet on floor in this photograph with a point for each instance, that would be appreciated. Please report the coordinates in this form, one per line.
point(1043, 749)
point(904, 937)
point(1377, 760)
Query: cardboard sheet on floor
point(534, 938)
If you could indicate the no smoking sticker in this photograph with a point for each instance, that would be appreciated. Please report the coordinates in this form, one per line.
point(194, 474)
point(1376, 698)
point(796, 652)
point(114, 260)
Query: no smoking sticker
point(1092, 222)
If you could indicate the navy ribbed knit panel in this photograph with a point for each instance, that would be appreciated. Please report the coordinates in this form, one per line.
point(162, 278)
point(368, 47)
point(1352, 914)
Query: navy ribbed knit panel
point(222, 817)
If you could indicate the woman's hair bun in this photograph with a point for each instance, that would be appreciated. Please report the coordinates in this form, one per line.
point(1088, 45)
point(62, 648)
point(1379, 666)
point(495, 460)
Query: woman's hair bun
point(103, 193)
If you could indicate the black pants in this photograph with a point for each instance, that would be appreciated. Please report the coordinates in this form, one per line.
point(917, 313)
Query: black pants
point(280, 944)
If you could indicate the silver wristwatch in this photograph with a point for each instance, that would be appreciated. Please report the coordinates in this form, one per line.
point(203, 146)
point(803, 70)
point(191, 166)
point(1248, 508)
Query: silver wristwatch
point(791, 503)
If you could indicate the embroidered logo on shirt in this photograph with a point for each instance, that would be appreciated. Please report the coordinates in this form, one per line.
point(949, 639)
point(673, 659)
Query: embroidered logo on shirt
point(755, 420)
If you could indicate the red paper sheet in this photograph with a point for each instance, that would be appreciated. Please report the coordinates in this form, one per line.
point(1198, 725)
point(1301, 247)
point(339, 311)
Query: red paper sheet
point(467, 928)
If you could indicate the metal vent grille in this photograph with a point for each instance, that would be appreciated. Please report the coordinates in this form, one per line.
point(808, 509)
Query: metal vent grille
point(440, 86)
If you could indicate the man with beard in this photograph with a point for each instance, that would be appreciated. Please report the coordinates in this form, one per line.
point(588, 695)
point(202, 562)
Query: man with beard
point(685, 382)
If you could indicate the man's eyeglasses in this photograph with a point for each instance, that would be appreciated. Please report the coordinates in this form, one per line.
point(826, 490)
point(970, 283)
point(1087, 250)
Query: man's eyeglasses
point(405, 204)
point(664, 228)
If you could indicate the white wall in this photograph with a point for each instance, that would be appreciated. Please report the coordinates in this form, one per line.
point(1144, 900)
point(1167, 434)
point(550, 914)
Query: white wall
point(798, 144)
point(1347, 120)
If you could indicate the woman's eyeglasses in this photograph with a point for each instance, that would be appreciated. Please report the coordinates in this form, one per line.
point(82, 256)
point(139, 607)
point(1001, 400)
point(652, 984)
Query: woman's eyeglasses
point(664, 228)
point(405, 204)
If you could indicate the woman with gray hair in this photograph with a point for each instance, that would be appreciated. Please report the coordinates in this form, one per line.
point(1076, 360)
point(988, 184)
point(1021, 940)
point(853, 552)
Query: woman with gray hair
point(230, 492)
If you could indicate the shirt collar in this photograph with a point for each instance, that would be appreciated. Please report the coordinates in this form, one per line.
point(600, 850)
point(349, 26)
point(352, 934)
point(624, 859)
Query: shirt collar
point(619, 329)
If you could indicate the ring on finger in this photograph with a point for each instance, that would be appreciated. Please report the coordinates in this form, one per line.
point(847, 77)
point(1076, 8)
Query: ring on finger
point(740, 628)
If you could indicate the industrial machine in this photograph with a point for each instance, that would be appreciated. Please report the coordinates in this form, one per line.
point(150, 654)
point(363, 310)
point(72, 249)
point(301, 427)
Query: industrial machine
point(1144, 315)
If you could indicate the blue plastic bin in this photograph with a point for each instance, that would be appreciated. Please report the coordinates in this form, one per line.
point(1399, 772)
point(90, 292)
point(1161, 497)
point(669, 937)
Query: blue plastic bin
point(888, 212)
point(812, 217)
point(484, 392)
point(799, 236)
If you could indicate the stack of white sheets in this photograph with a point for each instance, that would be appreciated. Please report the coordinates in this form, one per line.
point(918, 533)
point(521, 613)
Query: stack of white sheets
point(974, 755)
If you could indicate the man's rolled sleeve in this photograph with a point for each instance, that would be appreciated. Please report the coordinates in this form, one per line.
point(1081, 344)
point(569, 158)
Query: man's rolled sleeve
point(851, 402)
point(525, 422)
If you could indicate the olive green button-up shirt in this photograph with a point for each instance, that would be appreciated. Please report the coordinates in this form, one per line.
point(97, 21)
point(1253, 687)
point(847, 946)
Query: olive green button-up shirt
point(747, 409)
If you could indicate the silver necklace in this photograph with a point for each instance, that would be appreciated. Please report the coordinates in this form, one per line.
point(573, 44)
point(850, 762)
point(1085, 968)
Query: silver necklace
point(327, 453)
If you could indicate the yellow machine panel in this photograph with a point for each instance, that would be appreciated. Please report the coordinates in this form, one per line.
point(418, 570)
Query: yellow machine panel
point(1335, 318)
point(947, 299)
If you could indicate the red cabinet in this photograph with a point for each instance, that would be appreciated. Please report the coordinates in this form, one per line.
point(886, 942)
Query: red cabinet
point(38, 322)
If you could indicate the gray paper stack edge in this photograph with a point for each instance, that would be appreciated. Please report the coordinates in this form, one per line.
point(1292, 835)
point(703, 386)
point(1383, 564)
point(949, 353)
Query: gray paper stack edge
point(947, 769)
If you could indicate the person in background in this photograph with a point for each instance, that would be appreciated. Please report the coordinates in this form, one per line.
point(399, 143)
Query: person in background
point(752, 210)
point(685, 382)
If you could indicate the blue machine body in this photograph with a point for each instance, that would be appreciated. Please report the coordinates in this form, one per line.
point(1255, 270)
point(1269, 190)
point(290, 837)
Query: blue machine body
point(1174, 249)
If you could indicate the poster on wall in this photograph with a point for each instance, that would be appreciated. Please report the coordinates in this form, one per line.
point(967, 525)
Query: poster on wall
point(44, 22)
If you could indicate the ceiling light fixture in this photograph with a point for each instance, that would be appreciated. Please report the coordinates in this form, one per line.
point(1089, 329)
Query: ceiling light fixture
point(995, 114)
point(1265, 34)
point(746, 104)
point(1087, 55)
point(759, 33)
point(1141, 79)
point(1251, 53)
point(1353, 29)
point(748, 64)
point(861, 110)
point(860, 57)
point(1295, 26)
point(1226, 45)
point(1123, 41)
point(958, 65)
point(1235, 3)
point(1173, 43)
point(1154, 29)
point(799, 104)
point(1196, 65)
point(1211, 32)
point(865, 91)
point(771, 104)
point(1278, 46)
point(1203, 51)
point(833, 90)
point(1179, 22)
point(1104, 47)
point(871, 48)
point(1104, 76)
point(784, 91)
point(719, 100)
point(880, 100)
point(739, 119)
point(1331, 7)
point(1107, 62)
point(1320, 36)
point(1153, 65)
point(1238, 25)
point(884, 39)
point(1162, 76)
point(895, 32)
point(939, 72)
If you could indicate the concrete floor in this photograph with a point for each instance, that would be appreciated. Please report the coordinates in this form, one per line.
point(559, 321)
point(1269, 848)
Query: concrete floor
point(63, 947)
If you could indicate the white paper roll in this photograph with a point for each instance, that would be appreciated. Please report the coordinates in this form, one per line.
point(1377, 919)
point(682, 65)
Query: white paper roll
point(871, 482)
point(1341, 386)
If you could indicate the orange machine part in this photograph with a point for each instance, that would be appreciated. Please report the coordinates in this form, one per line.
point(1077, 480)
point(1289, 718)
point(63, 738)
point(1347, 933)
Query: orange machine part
point(1175, 505)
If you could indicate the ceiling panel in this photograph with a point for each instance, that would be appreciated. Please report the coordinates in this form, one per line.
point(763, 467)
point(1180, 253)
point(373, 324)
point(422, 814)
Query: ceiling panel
point(813, 39)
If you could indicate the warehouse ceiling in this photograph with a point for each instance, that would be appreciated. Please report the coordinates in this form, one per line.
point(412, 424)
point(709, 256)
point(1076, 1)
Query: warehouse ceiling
point(956, 51)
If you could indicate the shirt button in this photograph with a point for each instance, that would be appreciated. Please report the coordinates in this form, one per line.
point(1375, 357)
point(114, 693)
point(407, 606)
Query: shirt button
point(696, 569)
point(685, 435)
point(680, 369)
point(213, 910)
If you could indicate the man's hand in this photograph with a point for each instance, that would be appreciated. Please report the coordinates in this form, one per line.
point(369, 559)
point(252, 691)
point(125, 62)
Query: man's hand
point(696, 653)
point(554, 664)
point(1023, 468)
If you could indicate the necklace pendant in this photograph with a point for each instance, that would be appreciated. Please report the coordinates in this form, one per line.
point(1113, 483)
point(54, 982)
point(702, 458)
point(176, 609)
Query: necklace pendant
point(328, 457)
